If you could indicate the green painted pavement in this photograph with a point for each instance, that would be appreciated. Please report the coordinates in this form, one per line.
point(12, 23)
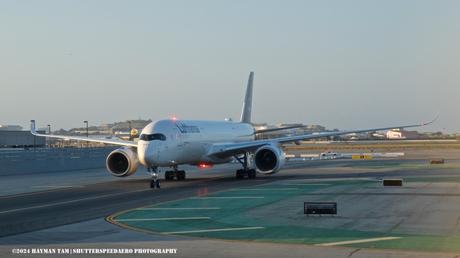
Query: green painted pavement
point(236, 213)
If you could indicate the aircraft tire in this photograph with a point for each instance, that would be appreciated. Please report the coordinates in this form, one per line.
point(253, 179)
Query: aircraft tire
point(169, 175)
point(240, 174)
point(252, 173)
point(180, 175)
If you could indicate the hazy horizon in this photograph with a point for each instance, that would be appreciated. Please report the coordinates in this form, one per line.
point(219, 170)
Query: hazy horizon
point(341, 64)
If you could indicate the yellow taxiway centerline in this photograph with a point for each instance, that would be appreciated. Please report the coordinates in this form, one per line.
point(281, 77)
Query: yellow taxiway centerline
point(157, 219)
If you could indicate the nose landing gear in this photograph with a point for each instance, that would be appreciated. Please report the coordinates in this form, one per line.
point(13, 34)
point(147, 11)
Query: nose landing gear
point(178, 175)
point(154, 182)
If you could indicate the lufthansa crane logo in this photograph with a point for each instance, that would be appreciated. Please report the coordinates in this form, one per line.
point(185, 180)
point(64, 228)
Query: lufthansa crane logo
point(183, 128)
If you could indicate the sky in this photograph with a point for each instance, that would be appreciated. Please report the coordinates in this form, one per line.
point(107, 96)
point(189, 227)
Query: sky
point(341, 64)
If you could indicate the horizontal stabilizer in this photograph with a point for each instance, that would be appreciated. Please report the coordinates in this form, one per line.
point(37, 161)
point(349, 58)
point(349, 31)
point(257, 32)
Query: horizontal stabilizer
point(279, 129)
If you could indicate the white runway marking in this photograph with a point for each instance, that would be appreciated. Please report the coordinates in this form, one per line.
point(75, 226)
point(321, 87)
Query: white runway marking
point(307, 184)
point(319, 180)
point(72, 201)
point(229, 197)
point(156, 219)
point(265, 189)
point(56, 186)
point(213, 230)
point(358, 241)
point(204, 208)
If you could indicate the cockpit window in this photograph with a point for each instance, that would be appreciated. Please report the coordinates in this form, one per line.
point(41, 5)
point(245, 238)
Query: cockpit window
point(152, 137)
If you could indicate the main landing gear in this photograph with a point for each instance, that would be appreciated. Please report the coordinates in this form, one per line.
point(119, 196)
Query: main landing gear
point(246, 171)
point(178, 175)
point(154, 182)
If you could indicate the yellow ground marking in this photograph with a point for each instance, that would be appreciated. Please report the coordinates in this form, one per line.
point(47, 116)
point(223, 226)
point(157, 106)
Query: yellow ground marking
point(158, 219)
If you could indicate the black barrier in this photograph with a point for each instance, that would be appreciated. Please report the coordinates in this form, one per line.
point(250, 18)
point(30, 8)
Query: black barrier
point(319, 208)
point(392, 182)
point(437, 161)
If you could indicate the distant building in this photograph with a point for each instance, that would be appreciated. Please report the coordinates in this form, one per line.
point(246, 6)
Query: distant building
point(401, 134)
point(394, 134)
point(10, 128)
point(316, 128)
point(18, 138)
point(260, 126)
point(377, 135)
point(117, 128)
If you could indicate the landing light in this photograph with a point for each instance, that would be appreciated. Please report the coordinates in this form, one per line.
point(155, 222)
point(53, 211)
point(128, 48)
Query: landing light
point(204, 165)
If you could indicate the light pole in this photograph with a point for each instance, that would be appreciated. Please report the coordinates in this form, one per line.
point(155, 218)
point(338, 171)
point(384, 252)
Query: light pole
point(87, 132)
point(129, 130)
point(33, 123)
point(48, 140)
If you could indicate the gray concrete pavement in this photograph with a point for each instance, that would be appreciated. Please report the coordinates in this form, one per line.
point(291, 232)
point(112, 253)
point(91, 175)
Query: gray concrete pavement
point(73, 217)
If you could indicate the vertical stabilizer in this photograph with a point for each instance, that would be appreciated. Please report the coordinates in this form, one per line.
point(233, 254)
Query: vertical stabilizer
point(247, 104)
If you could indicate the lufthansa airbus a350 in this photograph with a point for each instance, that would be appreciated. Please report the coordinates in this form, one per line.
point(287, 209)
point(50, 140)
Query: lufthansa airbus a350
point(173, 142)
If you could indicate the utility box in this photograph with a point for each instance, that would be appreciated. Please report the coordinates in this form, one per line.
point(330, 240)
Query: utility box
point(362, 156)
point(320, 208)
point(392, 182)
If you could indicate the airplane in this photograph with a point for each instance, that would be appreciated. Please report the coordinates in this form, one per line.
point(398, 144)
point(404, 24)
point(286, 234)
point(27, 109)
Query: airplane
point(174, 142)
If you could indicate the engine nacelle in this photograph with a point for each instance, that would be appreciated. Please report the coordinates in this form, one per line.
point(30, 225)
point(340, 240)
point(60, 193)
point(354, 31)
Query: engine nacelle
point(122, 162)
point(268, 159)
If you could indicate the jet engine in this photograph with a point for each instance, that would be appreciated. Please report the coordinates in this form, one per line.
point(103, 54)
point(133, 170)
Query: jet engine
point(122, 162)
point(268, 159)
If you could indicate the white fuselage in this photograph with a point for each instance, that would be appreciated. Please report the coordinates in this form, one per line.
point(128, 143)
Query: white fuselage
point(174, 142)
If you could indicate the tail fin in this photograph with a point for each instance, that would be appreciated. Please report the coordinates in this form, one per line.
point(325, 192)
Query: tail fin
point(247, 105)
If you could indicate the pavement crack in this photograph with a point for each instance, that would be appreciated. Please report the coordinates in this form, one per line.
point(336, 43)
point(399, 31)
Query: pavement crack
point(396, 225)
point(353, 252)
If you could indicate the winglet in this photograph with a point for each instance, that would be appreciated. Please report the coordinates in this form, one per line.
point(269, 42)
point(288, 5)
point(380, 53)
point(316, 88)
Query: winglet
point(247, 105)
point(430, 122)
point(32, 127)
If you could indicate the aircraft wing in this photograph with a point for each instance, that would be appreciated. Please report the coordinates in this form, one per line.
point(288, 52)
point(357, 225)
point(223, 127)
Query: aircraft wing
point(329, 134)
point(77, 138)
point(223, 150)
point(231, 149)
